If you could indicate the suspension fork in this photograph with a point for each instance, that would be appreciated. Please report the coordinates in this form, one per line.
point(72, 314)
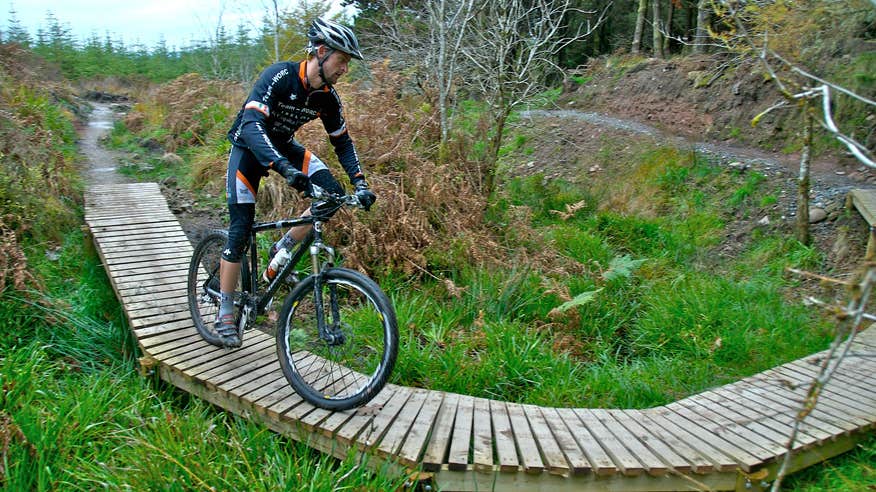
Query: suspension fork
point(331, 334)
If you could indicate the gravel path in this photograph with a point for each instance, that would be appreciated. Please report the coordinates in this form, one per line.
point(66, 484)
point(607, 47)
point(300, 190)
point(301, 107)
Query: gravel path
point(100, 164)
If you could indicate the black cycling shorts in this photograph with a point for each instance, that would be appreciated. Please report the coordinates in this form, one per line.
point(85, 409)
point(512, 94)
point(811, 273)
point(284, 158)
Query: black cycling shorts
point(242, 184)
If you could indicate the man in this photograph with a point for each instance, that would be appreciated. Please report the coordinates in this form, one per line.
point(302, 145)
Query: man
point(286, 96)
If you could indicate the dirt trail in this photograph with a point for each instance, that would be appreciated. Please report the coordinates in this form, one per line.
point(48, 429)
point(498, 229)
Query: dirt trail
point(830, 181)
point(100, 164)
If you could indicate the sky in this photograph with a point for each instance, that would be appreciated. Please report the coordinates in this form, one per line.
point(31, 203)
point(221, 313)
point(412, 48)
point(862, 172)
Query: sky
point(140, 21)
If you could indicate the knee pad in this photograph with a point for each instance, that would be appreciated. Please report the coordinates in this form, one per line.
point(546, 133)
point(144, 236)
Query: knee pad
point(326, 181)
point(242, 216)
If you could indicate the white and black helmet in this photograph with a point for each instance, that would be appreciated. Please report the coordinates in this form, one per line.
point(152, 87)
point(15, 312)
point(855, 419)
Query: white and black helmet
point(334, 36)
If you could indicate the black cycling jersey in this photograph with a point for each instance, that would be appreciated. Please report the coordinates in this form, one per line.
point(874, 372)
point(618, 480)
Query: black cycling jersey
point(280, 102)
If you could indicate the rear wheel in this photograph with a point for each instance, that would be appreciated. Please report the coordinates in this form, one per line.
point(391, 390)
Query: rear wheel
point(350, 361)
point(203, 284)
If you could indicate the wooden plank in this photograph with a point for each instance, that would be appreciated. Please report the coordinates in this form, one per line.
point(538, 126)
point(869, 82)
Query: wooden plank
point(781, 397)
point(159, 286)
point(147, 258)
point(600, 461)
point(704, 446)
point(395, 435)
point(856, 385)
point(169, 305)
point(461, 442)
point(574, 456)
point(439, 441)
point(174, 310)
point(259, 377)
point(652, 464)
point(415, 442)
point(179, 340)
point(118, 217)
point(526, 443)
point(132, 231)
point(128, 241)
point(506, 450)
point(748, 411)
point(729, 444)
point(129, 281)
point(133, 298)
point(623, 460)
point(551, 453)
point(725, 416)
point(661, 449)
point(256, 353)
point(150, 249)
point(724, 428)
point(181, 321)
point(385, 418)
point(350, 432)
point(839, 399)
point(740, 392)
point(482, 436)
point(865, 202)
point(121, 271)
point(146, 326)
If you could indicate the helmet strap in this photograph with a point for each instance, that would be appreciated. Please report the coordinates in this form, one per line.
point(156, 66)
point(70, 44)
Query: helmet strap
point(322, 60)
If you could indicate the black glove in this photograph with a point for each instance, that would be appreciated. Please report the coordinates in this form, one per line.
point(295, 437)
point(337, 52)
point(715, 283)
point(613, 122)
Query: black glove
point(366, 197)
point(294, 177)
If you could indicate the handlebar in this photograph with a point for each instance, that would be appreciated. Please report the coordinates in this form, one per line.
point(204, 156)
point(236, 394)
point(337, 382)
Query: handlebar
point(326, 203)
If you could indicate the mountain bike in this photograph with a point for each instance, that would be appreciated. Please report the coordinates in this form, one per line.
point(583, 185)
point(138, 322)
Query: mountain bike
point(337, 335)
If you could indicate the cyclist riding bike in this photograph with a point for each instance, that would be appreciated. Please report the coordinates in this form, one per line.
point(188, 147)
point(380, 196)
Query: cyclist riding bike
point(286, 96)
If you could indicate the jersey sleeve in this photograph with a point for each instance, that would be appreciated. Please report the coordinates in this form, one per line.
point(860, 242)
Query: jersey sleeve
point(273, 82)
point(333, 121)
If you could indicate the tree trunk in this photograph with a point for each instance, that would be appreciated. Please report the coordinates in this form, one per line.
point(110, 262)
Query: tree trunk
point(276, 33)
point(701, 36)
point(640, 26)
point(802, 229)
point(657, 35)
point(492, 157)
point(668, 27)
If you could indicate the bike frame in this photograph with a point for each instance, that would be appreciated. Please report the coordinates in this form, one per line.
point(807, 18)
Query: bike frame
point(259, 301)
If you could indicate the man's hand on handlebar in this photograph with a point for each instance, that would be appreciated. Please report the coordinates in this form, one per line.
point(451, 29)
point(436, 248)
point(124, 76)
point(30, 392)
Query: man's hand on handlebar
point(366, 196)
point(294, 177)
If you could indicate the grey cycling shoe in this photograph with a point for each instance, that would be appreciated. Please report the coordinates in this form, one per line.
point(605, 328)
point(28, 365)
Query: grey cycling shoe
point(226, 327)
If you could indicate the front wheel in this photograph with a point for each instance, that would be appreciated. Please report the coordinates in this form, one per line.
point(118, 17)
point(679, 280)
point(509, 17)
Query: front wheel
point(203, 284)
point(348, 361)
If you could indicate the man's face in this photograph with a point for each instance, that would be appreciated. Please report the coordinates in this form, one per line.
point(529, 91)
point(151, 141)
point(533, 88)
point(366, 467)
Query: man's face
point(335, 65)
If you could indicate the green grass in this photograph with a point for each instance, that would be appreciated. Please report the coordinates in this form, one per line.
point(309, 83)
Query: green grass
point(78, 416)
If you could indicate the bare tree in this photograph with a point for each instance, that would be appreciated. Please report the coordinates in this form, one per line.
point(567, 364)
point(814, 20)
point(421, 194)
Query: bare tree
point(701, 37)
point(448, 23)
point(657, 30)
point(640, 26)
point(516, 43)
point(427, 39)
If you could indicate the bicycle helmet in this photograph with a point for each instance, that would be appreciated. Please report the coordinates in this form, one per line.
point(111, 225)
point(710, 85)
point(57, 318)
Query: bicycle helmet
point(333, 35)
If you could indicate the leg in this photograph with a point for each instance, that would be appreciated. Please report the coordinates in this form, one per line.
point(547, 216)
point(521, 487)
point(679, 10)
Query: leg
point(241, 183)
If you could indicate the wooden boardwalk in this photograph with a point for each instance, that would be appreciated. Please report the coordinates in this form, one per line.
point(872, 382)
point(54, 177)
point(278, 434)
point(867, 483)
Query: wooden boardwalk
point(728, 438)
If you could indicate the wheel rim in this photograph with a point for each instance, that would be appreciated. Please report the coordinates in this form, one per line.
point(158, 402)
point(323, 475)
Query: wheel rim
point(345, 363)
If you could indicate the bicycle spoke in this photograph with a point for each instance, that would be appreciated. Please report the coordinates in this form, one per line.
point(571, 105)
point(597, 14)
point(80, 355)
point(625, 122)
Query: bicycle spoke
point(345, 360)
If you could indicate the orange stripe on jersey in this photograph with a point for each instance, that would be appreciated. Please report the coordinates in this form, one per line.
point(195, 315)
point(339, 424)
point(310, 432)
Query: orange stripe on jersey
point(243, 180)
point(306, 164)
point(302, 73)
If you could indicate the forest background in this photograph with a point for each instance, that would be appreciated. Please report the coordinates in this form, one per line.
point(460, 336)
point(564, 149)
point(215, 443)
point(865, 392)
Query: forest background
point(578, 288)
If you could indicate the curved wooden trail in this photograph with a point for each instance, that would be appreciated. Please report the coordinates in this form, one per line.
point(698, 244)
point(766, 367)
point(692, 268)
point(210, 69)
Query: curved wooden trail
point(728, 438)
